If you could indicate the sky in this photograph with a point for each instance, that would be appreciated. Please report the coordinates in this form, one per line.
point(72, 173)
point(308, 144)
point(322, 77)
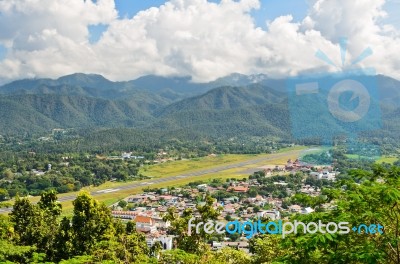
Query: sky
point(126, 39)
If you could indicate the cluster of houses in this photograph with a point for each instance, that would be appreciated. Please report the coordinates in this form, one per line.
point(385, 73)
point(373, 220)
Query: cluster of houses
point(292, 167)
point(126, 155)
point(147, 209)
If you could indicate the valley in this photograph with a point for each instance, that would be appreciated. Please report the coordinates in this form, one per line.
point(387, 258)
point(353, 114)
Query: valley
point(178, 173)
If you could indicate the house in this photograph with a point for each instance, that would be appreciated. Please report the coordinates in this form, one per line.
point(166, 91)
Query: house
point(216, 245)
point(271, 214)
point(232, 199)
point(295, 208)
point(202, 187)
point(38, 172)
point(323, 175)
point(145, 224)
point(135, 199)
point(242, 245)
point(160, 223)
point(316, 175)
point(126, 155)
point(238, 189)
point(229, 209)
point(282, 183)
point(124, 214)
point(307, 210)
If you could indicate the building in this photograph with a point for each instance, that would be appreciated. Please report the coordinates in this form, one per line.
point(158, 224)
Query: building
point(307, 210)
point(145, 224)
point(129, 215)
point(295, 208)
point(238, 189)
point(165, 241)
point(270, 214)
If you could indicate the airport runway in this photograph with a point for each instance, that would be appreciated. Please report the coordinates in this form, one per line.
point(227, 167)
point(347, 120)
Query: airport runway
point(199, 173)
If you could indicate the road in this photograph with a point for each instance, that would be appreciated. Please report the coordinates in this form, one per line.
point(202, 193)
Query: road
point(135, 185)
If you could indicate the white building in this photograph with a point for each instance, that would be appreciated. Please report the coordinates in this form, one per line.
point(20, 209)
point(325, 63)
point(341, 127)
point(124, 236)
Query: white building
point(271, 214)
point(307, 210)
point(166, 242)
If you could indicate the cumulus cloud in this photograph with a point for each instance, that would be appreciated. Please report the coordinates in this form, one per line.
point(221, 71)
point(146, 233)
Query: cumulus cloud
point(49, 38)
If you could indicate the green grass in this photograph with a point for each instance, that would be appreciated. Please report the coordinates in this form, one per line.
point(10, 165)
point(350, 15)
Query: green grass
point(385, 159)
point(186, 166)
point(356, 157)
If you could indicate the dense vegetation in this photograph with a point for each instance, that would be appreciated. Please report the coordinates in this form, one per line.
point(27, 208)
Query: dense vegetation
point(34, 173)
point(166, 107)
point(64, 163)
point(36, 234)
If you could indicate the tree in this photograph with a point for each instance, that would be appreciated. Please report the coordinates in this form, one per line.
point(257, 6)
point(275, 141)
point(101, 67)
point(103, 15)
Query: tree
point(130, 227)
point(4, 195)
point(91, 223)
point(35, 225)
point(266, 248)
point(228, 255)
point(178, 256)
point(26, 220)
point(122, 203)
point(155, 249)
point(10, 253)
point(253, 192)
point(194, 242)
point(63, 246)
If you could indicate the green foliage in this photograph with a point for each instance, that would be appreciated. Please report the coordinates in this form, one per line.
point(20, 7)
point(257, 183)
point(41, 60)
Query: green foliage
point(91, 235)
point(27, 220)
point(3, 195)
point(122, 203)
point(91, 223)
point(10, 253)
point(194, 242)
point(371, 202)
point(178, 256)
point(34, 234)
point(229, 255)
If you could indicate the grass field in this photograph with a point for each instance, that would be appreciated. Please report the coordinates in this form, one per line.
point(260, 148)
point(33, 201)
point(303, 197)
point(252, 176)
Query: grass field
point(389, 160)
point(186, 166)
point(356, 157)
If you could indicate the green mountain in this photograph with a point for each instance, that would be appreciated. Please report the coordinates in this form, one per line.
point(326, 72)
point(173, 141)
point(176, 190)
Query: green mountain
point(166, 106)
point(228, 111)
point(40, 113)
point(173, 88)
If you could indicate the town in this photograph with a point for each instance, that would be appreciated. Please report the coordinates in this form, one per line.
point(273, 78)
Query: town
point(274, 193)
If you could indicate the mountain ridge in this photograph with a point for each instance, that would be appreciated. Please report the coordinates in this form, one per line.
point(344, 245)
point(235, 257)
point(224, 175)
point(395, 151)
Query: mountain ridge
point(256, 106)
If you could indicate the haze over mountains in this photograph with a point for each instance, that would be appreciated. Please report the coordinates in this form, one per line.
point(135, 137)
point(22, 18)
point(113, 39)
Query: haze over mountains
point(234, 105)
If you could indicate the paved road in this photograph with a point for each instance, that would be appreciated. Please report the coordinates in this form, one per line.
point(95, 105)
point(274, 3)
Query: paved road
point(199, 173)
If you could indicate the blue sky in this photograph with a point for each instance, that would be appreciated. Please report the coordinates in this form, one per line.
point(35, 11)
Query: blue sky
point(269, 10)
point(207, 46)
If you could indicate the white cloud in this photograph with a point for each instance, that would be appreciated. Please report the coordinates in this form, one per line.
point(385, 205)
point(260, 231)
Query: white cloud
point(49, 38)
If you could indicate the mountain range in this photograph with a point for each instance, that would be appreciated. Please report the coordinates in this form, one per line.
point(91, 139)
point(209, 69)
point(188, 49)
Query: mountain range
point(237, 104)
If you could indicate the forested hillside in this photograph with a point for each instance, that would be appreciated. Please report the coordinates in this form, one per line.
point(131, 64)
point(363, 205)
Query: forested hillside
point(237, 105)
